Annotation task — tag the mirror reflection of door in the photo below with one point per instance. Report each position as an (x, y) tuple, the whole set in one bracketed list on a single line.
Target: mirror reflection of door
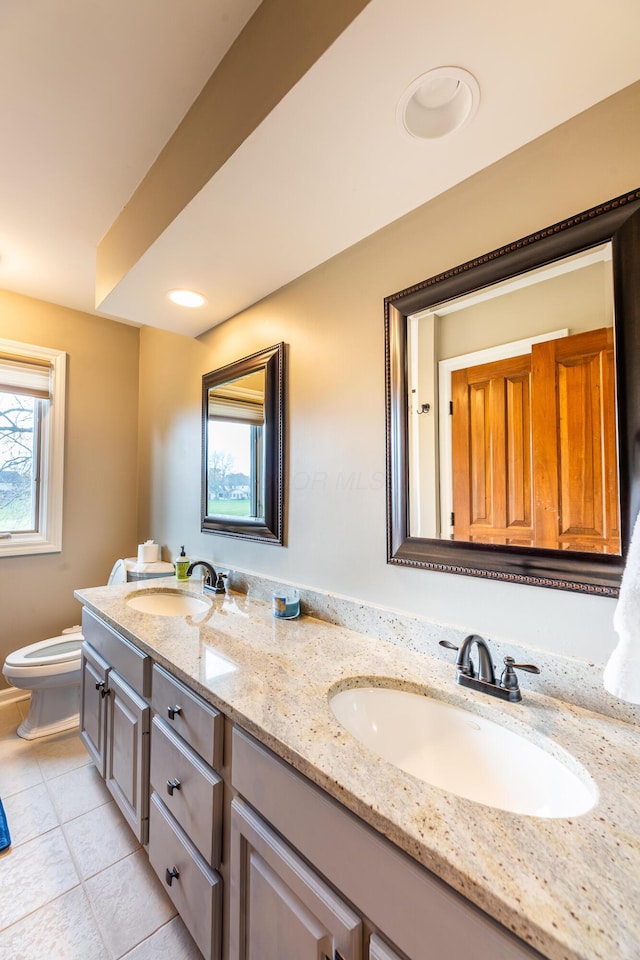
[(534, 447), (528, 457), (491, 441), (235, 448)]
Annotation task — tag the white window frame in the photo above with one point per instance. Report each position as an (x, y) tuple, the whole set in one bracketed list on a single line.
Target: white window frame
[(48, 537)]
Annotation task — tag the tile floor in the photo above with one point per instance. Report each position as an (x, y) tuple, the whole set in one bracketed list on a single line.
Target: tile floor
[(75, 883)]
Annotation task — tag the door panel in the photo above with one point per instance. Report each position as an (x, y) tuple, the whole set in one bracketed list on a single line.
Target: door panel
[(574, 437), (94, 673), (535, 448), (127, 754), (281, 909), (491, 436), (280, 925), (378, 950)]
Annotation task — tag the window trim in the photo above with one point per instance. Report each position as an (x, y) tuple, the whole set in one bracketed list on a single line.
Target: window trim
[(48, 537)]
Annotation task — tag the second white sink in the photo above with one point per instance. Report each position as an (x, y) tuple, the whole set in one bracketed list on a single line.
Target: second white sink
[(458, 751), (168, 603)]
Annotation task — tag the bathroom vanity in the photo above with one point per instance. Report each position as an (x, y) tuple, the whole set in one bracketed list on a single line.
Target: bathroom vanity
[(261, 814)]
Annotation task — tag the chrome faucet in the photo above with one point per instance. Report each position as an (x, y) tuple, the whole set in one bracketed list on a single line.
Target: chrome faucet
[(507, 688), (212, 582)]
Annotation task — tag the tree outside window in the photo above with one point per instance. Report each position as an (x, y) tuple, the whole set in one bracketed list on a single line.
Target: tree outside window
[(32, 414), (18, 462)]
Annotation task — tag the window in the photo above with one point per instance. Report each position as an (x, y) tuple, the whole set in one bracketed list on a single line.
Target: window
[(235, 469), (32, 394)]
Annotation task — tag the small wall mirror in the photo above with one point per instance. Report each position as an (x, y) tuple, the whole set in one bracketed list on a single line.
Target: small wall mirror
[(512, 408), (243, 447)]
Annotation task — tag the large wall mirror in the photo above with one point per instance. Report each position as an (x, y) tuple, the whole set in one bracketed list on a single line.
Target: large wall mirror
[(513, 408), (243, 447)]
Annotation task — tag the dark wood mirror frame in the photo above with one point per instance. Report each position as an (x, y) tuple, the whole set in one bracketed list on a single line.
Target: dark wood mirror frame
[(270, 528), (618, 221)]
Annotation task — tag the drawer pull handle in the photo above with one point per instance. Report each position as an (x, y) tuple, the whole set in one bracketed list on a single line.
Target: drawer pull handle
[(171, 875), (173, 785), (100, 687), (173, 712)]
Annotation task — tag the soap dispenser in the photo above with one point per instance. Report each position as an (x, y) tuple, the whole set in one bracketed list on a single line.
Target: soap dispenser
[(182, 565)]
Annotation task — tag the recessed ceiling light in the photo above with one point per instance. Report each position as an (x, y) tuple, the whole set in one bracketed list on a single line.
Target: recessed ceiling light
[(187, 298), (438, 102)]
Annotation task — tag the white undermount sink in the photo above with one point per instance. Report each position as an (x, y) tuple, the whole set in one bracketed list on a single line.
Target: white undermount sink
[(451, 748), (168, 603)]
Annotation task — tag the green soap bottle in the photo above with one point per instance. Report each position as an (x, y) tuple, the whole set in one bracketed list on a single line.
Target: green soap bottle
[(182, 565)]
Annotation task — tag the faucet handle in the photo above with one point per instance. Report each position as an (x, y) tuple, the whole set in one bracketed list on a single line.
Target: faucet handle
[(528, 667), (448, 645), (509, 680)]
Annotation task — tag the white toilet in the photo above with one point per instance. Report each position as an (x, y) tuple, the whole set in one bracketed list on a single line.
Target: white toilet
[(50, 669)]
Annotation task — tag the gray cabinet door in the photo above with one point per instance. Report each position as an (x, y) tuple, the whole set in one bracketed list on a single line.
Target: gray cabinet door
[(127, 753), (93, 686), (419, 914), (280, 908), (379, 950)]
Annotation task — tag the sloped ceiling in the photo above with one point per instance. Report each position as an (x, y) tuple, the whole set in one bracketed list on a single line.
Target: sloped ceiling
[(97, 91)]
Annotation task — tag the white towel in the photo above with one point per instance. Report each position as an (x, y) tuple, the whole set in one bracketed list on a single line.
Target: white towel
[(622, 672)]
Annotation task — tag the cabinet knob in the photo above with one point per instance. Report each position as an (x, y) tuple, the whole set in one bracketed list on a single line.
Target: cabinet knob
[(173, 712), (173, 785), (171, 875), (101, 688)]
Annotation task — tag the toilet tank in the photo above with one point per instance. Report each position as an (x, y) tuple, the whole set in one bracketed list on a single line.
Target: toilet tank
[(130, 569), (147, 571)]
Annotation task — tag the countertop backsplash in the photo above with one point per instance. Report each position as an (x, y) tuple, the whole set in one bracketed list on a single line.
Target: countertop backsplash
[(566, 678)]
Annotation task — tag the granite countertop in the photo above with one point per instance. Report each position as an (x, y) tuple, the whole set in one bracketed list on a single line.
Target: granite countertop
[(569, 887)]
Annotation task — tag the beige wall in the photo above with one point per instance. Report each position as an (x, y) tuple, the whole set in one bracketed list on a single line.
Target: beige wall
[(578, 301), (100, 468), (332, 319)]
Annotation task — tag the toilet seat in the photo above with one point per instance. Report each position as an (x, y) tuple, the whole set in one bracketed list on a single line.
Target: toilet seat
[(57, 657), (53, 650)]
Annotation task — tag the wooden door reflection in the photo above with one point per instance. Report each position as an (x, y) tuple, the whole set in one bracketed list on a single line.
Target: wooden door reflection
[(534, 448)]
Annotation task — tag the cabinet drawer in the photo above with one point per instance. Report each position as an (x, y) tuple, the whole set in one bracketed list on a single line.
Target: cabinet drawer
[(132, 665), (196, 722), (189, 788), (196, 891)]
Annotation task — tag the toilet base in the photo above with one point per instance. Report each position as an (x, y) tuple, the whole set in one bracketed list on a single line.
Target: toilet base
[(51, 710), (27, 732)]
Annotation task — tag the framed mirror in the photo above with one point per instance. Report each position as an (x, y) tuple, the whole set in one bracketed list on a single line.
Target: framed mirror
[(513, 408), (243, 447)]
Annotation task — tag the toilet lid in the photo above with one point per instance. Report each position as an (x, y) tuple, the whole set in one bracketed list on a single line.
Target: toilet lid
[(54, 650), (118, 573)]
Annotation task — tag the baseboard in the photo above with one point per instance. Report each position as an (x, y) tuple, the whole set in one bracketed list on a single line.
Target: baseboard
[(12, 695)]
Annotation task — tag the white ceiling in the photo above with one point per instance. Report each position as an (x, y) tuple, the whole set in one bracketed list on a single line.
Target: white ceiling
[(91, 92), (94, 90)]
